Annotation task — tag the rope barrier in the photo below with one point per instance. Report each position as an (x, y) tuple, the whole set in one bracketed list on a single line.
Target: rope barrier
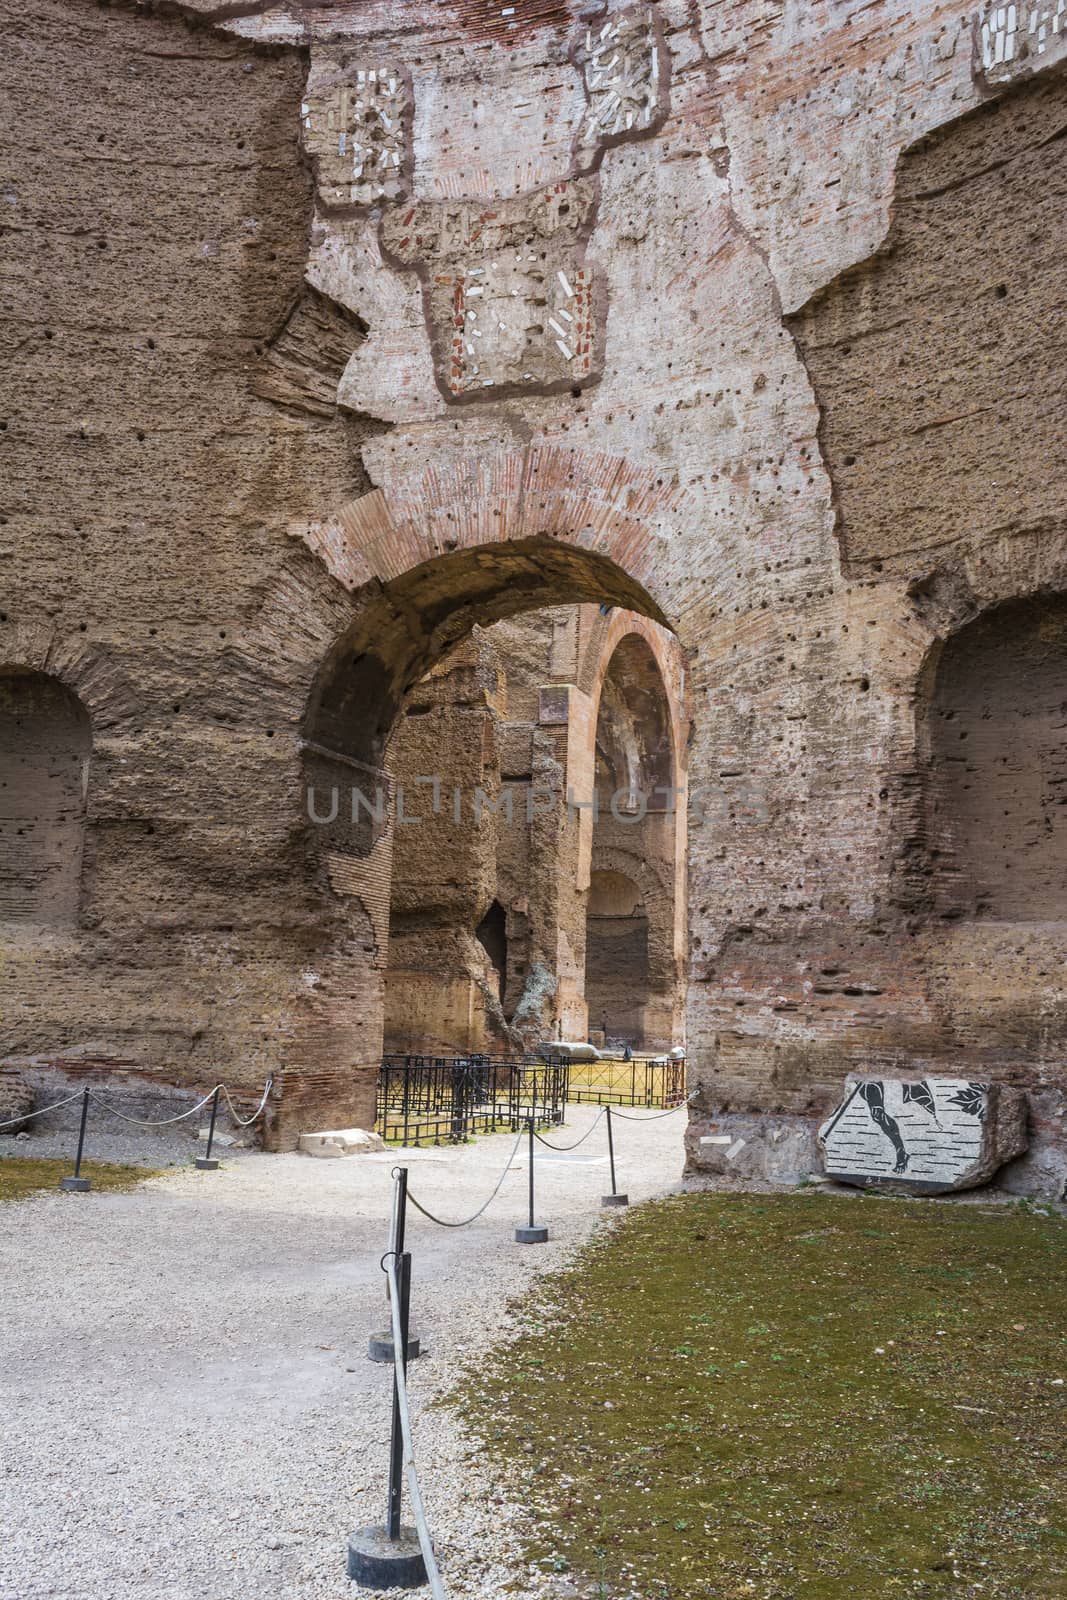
[(246, 1122), (657, 1114), (433, 1576), (466, 1222), (160, 1122), (142, 1122), (13, 1122), (577, 1142)]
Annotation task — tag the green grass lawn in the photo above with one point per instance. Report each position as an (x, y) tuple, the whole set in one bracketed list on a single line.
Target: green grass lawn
[(21, 1176), (795, 1396)]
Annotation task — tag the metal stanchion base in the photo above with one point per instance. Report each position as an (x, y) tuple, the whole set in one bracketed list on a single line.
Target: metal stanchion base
[(378, 1562), (75, 1185), (536, 1235), (380, 1347), (206, 1164), (615, 1200)]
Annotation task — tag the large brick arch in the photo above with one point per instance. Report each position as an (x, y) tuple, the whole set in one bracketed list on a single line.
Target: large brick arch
[(494, 536), (584, 500)]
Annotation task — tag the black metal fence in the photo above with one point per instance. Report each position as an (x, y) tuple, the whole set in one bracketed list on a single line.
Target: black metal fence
[(644, 1081), (446, 1099)]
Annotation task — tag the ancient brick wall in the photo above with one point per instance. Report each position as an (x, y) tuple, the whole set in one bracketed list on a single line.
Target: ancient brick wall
[(740, 316), (156, 217)]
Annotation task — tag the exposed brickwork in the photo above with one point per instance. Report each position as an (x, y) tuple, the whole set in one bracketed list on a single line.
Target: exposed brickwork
[(226, 568), (508, 750)]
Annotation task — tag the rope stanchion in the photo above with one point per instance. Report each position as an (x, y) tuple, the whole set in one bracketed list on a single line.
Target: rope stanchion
[(380, 1345), (77, 1184), (207, 1162), (532, 1232), (443, 1222), (614, 1198), (563, 1147), (393, 1556)]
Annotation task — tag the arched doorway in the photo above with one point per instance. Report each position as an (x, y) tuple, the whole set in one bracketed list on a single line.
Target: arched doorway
[(635, 921), (398, 631), (617, 985)]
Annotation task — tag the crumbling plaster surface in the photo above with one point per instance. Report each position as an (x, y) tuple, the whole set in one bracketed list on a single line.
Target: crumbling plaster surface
[(217, 571)]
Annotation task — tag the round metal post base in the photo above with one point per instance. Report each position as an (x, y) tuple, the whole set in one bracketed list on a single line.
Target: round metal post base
[(528, 1235), (206, 1164), (615, 1200), (378, 1562), (380, 1347), (75, 1185)]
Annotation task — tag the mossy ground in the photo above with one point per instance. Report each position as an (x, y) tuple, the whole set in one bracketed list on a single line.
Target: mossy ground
[(797, 1395), (21, 1176)]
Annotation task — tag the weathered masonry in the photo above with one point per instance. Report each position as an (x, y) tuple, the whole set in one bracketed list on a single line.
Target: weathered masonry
[(336, 332), (538, 867)]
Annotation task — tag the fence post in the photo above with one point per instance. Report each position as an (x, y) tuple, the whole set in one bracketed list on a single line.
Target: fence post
[(532, 1233), (614, 1198), (207, 1162), (77, 1184), (396, 1443), (380, 1345), (390, 1557)]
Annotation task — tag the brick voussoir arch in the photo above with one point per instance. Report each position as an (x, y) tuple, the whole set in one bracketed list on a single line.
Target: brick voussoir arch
[(587, 500), (669, 658), (85, 668)]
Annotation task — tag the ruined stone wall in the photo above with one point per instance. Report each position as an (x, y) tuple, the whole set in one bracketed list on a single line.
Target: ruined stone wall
[(509, 745), (438, 986), (692, 310), (156, 216)]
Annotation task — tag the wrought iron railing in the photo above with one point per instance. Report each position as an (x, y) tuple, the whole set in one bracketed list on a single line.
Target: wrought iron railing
[(643, 1081), (446, 1099)]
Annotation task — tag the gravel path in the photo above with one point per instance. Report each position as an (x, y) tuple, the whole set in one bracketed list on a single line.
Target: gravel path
[(188, 1410)]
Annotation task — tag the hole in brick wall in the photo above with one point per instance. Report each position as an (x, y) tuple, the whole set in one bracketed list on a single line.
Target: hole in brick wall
[(366, 716), (492, 935), (45, 740), (997, 835)]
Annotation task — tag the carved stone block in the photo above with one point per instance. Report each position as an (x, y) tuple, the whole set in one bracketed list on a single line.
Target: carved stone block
[(922, 1135)]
